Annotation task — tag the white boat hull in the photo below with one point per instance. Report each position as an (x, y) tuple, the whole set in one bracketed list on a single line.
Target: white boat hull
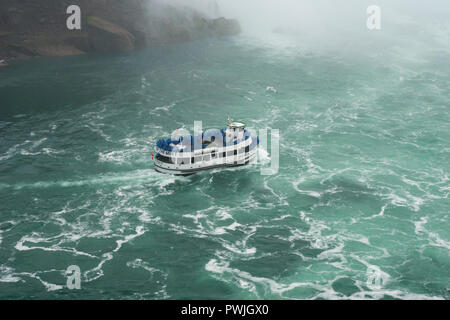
[(186, 170), (221, 148)]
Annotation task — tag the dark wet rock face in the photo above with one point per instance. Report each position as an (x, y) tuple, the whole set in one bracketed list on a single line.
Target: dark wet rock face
[(106, 36), (38, 28)]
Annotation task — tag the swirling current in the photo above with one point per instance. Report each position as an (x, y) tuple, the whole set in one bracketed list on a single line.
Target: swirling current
[(359, 208)]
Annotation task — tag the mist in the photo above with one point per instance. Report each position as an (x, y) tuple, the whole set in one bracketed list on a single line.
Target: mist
[(332, 23), (322, 14), (264, 15)]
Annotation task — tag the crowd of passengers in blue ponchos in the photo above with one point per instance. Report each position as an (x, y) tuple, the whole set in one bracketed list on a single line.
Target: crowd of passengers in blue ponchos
[(170, 145)]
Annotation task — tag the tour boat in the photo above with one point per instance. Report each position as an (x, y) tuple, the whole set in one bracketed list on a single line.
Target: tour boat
[(230, 147)]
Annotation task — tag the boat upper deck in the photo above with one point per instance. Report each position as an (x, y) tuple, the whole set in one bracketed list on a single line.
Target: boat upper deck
[(214, 138)]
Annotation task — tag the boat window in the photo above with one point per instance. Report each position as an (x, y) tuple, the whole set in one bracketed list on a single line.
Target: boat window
[(164, 159), (198, 159), (224, 154), (213, 154), (247, 148), (235, 152), (183, 161), (192, 160), (230, 153)]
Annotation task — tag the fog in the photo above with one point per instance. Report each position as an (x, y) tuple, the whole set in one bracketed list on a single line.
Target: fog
[(330, 21), (320, 14)]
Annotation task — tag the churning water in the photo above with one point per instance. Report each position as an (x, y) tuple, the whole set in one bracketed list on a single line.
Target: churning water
[(358, 209)]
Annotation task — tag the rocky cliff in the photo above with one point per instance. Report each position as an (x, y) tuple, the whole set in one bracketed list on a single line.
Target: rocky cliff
[(38, 28)]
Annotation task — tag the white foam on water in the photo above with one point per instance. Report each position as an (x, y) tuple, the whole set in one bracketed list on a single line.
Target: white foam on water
[(7, 274), (97, 271), (96, 127), (244, 279), (196, 217), (223, 230), (119, 156), (183, 230), (144, 83), (12, 151), (280, 197), (37, 143), (333, 254), (379, 214), (134, 177), (314, 234), (282, 217), (223, 214), (95, 114), (49, 286), (398, 294), (376, 278), (165, 108), (146, 217), (239, 249), (232, 227), (50, 151), (207, 222), (437, 241), (35, 238), (411, 182), (355, 237), (263, 156), (311, 193), (434, 239), (410, 201), (28, 153), (75, 230), (139, 263), (418, 225), (139, 231)]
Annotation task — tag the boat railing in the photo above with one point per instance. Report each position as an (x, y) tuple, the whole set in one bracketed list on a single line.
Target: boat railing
[(176, 151)]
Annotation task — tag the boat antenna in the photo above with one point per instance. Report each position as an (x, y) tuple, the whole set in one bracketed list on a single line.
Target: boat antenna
[(229, 120)]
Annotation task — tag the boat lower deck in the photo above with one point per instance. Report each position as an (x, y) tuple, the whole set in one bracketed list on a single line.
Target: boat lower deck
[(191, 172), (187, 172)]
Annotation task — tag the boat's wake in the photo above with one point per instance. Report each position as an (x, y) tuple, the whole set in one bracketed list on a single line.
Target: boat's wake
[(135, 177)]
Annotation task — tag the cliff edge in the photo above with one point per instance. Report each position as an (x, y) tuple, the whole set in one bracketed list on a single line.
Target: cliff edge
[(38, 28)]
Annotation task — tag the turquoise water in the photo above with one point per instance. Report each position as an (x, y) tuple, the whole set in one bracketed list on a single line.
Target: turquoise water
[(358, 209)]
